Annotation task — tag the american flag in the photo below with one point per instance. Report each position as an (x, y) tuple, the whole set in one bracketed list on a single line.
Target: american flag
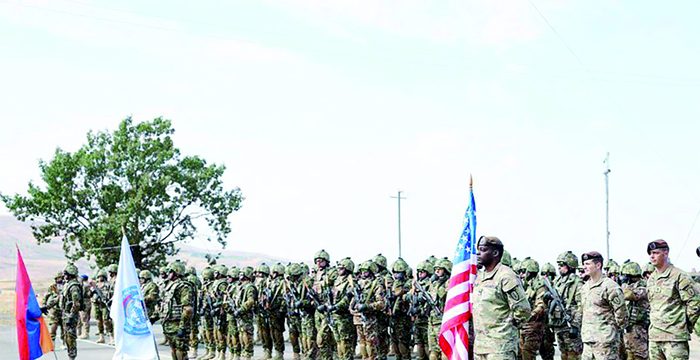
[(454, 336)]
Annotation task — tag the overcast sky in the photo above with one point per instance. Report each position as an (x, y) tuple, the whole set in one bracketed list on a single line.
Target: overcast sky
[(322, 110)]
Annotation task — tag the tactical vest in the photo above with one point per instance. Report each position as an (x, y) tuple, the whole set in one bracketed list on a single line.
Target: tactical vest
[(172, 308)]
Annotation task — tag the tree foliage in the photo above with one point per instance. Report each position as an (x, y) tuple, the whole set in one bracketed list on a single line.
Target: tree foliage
[(133, 178)]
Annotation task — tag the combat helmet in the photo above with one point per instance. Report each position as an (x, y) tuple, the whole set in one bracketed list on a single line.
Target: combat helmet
[(400, 266), (348, 264), (611, 265), (101, 273), (263, 269), (112, 269), (530, 265), (220, 269), (516, 265), (233, 272), (548, 269), (631, 269), (443, 263), (192, 271), (59, 275), (207, 273), (246, 272), (322, 254), (294, 269), (278, 268), (370, 266), (162, 270), (380, 261), (425, 266), (177, 267), (71, 269), (569, 259), (431, 259), (146, 275), (506, 259), (649, 268)]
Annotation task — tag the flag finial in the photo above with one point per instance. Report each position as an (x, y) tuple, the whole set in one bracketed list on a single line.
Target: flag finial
[(471, 181)]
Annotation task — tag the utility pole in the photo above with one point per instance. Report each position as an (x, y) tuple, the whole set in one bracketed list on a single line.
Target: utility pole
[(398, 198), (607, 203)]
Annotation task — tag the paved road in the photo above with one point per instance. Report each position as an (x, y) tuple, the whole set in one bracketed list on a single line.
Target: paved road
[(88, 349)]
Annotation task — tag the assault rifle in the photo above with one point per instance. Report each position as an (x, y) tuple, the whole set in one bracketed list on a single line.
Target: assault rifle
[(556, 304), (359, 299), (313, 295), (290, 297), (100, 296), (424, 294)]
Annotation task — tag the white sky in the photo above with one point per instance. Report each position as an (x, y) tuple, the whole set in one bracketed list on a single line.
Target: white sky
[(323, 110)]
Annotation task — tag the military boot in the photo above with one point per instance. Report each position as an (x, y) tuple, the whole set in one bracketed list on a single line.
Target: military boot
[(206, 354), (278, 356), (296, 356), (83, 336), (192, 354), (100, 339)]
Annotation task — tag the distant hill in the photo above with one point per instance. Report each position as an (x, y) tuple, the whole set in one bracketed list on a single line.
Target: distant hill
[(45, 260)]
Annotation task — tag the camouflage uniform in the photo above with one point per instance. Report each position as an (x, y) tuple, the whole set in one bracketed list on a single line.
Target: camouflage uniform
[(100, 302), (547, 347), (309, 348), (636, 336), (384, 318), (263, 314), (231, 307), (218, 293), (84, 324), (51, 306), (343, 330), (194, 334), (674, 301), (499, 301), (421, 312), (323, 280), (568, 286), (438, 293), (291, 296), (277, 309), (371, 305), (246, 302), (400, 325), (603, 315), (151, 295), (205, 309), (177, 313), (69, 303), (532, 330)]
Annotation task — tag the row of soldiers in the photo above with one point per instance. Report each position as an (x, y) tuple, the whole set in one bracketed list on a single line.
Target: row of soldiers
[(624, 313), (373, 308)]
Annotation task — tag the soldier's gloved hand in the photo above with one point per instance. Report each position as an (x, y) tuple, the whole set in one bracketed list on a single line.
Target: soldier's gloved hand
[(44, 310), (180, 333), (573, 333), (547, 297), (362, 307), (321, 308), (332, 308)]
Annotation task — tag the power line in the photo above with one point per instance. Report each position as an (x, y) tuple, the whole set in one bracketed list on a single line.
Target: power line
[(554, 30)]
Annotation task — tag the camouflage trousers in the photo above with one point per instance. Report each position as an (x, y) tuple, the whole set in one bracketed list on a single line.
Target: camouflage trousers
[(344, 333), (54, 324), (277, 320), (569, 348), (531, 336), (294, 328), (434, 351), (669, 350), (104, 322), (372, 332), (636, 340), (245, 334), (194, 334), (84, 323), (324, 337), (309, 350), (264, 332), (69, 329), (384, 339), (547, 347), (208, 333), (177, 344), (400, 331), (232, 336), (361, 341), (420, 338), (220, 333), (601, 351)]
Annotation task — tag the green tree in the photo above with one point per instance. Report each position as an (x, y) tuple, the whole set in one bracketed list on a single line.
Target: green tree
[(133, 178)]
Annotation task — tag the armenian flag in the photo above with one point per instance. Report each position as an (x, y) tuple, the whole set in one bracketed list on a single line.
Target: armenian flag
[(33, 338)]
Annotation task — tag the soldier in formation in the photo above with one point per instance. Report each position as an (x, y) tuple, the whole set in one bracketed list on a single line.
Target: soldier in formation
[(371, 311)]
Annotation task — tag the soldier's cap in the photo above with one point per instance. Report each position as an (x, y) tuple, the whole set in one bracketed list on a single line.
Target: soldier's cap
[(490, 241), (657, 244), (592, 255), (84, 276)]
